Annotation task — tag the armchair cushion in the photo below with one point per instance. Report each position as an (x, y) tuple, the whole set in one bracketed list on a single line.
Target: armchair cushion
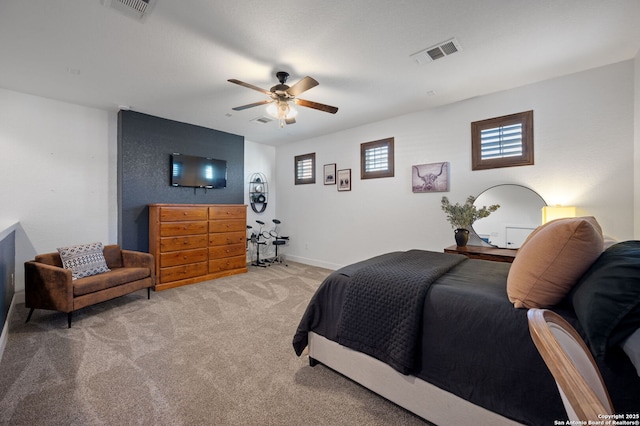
[(84, 260)]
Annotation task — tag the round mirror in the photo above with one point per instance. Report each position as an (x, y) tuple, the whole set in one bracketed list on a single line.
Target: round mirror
[(519, 214)]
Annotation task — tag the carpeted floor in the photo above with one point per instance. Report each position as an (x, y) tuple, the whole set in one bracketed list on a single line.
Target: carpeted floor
[(213, 353)]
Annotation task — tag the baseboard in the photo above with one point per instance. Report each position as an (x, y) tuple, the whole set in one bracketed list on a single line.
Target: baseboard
[(16, 299), (313, 262)]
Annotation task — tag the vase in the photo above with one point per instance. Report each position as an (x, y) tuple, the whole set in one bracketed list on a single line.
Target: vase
[(462, 236)]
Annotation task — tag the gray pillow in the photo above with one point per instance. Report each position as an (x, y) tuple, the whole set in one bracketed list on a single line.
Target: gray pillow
[(607, 297)]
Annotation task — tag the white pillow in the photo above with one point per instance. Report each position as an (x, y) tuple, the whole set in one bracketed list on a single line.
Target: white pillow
[(84, 260)]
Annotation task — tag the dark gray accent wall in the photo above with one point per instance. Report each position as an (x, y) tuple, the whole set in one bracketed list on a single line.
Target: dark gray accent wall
[(7, 272), (145, 144)]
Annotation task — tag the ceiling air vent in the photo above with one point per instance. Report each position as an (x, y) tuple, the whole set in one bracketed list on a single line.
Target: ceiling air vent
[(262, 120), (438, 51), (135, 8)]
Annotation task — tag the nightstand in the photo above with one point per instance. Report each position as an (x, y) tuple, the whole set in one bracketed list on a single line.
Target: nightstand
[(484, 253)]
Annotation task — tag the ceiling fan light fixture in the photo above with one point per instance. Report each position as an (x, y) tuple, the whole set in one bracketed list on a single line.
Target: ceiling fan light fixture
[(282, 111)]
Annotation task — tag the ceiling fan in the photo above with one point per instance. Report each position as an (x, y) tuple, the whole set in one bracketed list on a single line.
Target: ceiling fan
[(281, 95)]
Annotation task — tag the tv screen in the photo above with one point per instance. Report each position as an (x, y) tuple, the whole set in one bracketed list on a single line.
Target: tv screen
[(198, 172)]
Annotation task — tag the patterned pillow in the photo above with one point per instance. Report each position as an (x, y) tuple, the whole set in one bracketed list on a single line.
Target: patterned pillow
[(84, 260)]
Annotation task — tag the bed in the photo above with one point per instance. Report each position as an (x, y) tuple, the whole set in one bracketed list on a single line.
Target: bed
[(447, 337)]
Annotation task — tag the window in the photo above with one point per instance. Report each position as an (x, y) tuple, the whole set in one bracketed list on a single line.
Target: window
[(376, 159), (502, 141), (305, 169)]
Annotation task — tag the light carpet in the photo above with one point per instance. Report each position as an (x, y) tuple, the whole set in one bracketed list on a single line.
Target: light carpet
[(212, 353)]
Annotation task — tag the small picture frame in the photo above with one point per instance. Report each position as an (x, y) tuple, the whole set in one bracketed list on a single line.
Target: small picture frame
[(344, 180), (433, 177), (330, 174)]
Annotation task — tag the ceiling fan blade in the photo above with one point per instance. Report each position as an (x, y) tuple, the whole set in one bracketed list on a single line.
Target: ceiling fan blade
[(255, 104), (250, 86), (302, 86), (316, 105)]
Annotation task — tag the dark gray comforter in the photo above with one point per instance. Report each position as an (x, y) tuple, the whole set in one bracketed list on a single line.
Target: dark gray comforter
[(384, 302)]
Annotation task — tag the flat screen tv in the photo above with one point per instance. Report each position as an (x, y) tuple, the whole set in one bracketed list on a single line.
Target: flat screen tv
[(198, 172)]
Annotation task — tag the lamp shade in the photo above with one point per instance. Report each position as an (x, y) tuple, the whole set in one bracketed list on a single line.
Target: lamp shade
[(281, 110), (550, 213)]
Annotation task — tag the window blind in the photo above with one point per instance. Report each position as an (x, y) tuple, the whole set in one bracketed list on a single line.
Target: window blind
[(376, 159), (304, 169), (500, 142)]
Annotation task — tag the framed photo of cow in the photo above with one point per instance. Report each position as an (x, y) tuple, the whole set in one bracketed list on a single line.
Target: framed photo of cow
[(433, 177)]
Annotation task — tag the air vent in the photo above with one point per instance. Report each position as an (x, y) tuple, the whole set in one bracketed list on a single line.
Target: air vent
[(135, 8), (438, 51), (262, 120)]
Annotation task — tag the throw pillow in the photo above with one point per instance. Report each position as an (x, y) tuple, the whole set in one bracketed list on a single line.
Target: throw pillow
[(607, 297), (551, 261), (84, 260)]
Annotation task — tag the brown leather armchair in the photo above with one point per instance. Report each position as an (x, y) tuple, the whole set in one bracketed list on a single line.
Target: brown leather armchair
[(49, 286)]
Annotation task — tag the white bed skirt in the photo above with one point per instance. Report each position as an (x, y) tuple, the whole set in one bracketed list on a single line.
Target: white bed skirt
[(421, 398)]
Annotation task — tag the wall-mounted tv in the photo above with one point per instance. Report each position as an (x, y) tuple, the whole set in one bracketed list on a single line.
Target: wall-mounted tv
[(198, 172)]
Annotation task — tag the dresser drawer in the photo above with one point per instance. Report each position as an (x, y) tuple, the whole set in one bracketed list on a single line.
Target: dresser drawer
[(227, 251), (183, 257), (227, 212), (183, 243), (227, 264), (171, 214), (175, 273), (227, 225), (169, 229), (224, 238)]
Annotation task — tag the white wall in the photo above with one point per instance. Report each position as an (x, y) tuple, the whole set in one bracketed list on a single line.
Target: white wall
[(58, 174), (260, 158), (584, 156)]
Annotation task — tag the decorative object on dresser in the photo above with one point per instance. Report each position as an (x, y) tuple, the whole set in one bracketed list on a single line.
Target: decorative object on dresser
[(83, 275), (484, 253), (550, 213), (518, 216), (197, 242), (461, 217)]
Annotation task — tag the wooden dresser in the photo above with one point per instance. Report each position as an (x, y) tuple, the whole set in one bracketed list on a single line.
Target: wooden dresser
[(484, 253), (197, 242)]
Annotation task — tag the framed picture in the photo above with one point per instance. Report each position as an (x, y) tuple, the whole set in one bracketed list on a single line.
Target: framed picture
[(330, 174), (344, 180), (433, 177)]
